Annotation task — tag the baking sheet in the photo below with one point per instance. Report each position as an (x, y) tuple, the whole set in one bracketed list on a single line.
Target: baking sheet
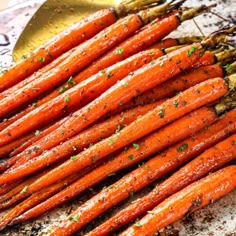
[(218, 219)]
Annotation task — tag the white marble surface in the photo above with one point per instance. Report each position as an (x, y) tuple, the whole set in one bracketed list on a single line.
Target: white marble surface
[(218, 219)]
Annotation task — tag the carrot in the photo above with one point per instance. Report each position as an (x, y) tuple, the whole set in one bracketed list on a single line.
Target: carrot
[(5, 150), (85, 138), (165, 43), (225, 126), (18, 192), (120, 93), (148, 146), (76, 34), (9, 186), (155, 119), (179, 83), (123, 91), (83, 93), (158, 166), (167, 89), (39, 196), (186, 201), (145, 38), (124, 50), (34, 200), (4, 165), (80, 58), (44, 131), (37, 75), (17, 189)]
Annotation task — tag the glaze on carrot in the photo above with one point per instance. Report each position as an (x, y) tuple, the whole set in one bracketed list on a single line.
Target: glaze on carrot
[(165, 90), (69, 38), (126, 49), (188, 101), (186, 201), (225, 126), (178, 84), (156, 167), (147, 147), (82, 93), (7, 149), (84, 139), (155, 73)]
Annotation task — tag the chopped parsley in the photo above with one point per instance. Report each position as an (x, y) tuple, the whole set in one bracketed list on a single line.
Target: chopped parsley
[(74, 158), (119, 127), (94, 159), (67, 99), (131, 157), (74, 218), (125, 85), (161, 113), (111, 141), (182, 147), (71, 81), (109, 75), (119, 51), (191, 50), (25, 189), (24, 56), (137, 224), (228, 68), (176, 104), (41, 59), (62, 89), (136, 146)]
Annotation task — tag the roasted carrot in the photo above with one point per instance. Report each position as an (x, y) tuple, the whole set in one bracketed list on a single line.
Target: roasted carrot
[(82, 56), (21, 188), (7, 149), (167, 89), (186, 201), (37, 74), (171, 87), (124, 50), (180, 83), (147, 36), (155, 119), (83, 93), (158, 166), (7, 187), (148, 146), (39, 196), (34, 200), (86, 138), (165, 43), (225, 126), (76, 34), (44, 131), (17, 189), (155, 73)]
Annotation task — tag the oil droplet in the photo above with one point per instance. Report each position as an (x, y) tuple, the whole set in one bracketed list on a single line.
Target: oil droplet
[(4, 40)]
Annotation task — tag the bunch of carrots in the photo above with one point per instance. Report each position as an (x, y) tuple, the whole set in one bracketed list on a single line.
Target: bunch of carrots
[(112, 92)]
